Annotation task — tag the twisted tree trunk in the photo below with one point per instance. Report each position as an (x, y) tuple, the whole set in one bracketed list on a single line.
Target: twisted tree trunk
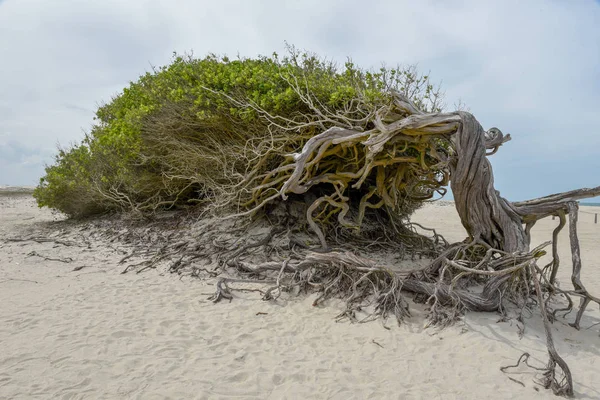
[(484, 214)]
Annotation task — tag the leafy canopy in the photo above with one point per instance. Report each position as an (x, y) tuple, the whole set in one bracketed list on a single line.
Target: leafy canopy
[(201, 130)]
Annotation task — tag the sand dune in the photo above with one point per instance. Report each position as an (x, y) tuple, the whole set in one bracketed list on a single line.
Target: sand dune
[(96, 334)]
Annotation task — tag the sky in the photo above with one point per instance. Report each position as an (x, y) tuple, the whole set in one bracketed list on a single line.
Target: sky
[(530, 68)]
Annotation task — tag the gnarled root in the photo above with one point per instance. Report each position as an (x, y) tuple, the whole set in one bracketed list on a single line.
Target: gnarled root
[(365, 285)]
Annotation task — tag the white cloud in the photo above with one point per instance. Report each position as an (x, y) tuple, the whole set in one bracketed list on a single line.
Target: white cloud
[(530, 68)]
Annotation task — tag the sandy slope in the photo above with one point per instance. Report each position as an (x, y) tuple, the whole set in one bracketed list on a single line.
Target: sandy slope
[(94, 333)]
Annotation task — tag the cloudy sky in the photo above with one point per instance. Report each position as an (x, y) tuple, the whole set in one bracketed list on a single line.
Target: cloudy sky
[(531, 68)]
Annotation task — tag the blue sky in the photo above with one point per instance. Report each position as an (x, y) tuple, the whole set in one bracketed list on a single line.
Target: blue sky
[(530, 68)]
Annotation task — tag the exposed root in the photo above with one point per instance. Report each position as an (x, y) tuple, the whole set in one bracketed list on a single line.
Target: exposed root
[(560, 386), (36, 254), (43, 240), (224, 291), (372, 291), (367, 289), (375, 290)]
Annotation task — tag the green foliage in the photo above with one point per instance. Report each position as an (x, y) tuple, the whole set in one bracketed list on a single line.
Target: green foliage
[(67, 185), (187, 132)]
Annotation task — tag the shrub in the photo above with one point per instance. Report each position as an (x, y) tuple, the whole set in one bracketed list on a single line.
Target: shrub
[(209, 131)]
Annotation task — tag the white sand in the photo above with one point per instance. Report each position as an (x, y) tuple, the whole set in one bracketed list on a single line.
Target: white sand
[(96, 334)]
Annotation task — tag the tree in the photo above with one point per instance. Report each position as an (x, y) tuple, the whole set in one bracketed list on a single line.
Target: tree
[(346, 156)]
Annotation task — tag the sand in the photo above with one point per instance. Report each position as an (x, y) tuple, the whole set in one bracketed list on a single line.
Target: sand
[(97, 334)]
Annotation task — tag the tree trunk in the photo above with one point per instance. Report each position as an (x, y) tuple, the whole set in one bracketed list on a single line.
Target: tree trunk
[(484, 214)]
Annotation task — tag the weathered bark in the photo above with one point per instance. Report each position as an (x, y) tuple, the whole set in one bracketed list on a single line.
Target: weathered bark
[(484, 214), (488, 300), (551, 205)]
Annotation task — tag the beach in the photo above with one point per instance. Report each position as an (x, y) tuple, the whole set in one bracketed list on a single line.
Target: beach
[(73, 327)]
